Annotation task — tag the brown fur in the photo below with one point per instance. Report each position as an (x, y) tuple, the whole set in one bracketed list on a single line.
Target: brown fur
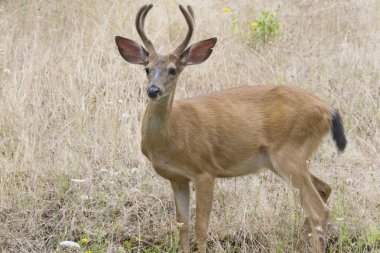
[(215, 132)]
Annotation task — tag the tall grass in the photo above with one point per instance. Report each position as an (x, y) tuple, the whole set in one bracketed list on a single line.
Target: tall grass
[(71, 108)]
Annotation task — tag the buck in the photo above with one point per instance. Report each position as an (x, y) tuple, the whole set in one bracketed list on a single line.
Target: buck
[(230, 133)]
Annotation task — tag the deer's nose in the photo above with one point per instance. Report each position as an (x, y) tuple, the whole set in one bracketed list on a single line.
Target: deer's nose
[(153, 91)]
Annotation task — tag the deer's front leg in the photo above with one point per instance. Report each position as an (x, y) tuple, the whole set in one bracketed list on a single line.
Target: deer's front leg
[(204, 186), (182, 200)]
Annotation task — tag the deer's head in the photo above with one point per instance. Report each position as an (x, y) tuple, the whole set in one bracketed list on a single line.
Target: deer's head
[(163, 70)]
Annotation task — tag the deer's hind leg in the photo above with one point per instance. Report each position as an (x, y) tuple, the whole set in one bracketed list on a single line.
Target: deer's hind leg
[(323, 188), (324, 191), (291, 166)]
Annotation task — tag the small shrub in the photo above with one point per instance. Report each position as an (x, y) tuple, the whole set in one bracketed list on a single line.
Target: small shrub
[(267, 27)]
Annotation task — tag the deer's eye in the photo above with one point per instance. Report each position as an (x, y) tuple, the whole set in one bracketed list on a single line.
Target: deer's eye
[(147, 70), (172, 71)]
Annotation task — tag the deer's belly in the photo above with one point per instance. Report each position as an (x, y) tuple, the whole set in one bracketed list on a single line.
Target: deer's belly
[(250, 165), (172, 171)]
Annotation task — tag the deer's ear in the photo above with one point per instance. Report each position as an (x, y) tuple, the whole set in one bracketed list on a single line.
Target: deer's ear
[(131, 51), (198, 52)]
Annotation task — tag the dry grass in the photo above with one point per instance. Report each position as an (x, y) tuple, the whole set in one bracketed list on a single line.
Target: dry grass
[(71, 108)]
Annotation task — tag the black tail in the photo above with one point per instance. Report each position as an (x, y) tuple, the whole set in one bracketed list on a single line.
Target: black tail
[(338, 131)]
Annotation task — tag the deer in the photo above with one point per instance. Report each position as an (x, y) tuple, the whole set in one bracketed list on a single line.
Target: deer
[(230, 133)]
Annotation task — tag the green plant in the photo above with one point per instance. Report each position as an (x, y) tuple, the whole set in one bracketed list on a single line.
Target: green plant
[(369, 241), (267, 27), (128, 245)]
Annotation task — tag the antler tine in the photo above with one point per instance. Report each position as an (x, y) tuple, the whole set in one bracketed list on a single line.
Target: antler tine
[(191, 12), (189, 16), (140, 26)]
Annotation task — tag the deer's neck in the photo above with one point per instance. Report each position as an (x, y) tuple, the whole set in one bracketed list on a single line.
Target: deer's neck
[(154, 127)]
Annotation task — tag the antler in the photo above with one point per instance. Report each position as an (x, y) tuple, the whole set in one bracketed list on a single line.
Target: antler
[(189, 16), (140, 25)]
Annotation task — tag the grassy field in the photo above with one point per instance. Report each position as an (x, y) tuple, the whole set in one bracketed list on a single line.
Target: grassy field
[(71, 110)]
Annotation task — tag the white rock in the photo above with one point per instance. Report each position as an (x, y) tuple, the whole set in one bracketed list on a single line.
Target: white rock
[(69, 244), (78, 180)]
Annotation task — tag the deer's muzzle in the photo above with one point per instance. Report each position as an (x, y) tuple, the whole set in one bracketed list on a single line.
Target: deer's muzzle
[(153, 91)]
